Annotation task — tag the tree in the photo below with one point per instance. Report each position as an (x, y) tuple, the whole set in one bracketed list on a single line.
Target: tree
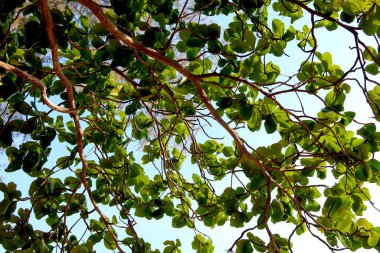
[(133, 96)]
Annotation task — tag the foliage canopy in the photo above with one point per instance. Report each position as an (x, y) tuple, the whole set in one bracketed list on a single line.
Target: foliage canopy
[(123, 104)]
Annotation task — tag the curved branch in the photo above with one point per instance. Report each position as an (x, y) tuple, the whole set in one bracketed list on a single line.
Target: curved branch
[(133, 44), (36, 82), (54, 52), (70, 97)]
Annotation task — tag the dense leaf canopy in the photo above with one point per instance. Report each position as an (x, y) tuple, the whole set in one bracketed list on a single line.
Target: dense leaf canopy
[(202, 113)]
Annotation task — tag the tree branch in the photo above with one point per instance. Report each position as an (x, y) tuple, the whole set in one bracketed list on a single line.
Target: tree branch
[(70, 97), (36, 82), (133, 44)]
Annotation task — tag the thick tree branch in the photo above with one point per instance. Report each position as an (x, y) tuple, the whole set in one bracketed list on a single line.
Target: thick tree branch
[(54, 52), (70, 97), (112, 28), (37, 83)]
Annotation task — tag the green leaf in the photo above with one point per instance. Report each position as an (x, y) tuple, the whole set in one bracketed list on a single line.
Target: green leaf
[(270, 125), (109, 242), (113, 45), (326, 60), (368, 52), (181, 46), (72, 182), (278, 27), (367, 131), (99, 29), (363, 223), (84, 21), (244, 246), (336, 99), (179, 221), (9, 244), (344, 225), (250, 38), (277, 48), (374, 96), (254, 123), (79, 249), (32, 58), (202, 245), (24, 108), (246, 112), (373, 238), (363, 172), (138, 5), (372, 68), (257, 243), (214, 31), (195, 42), (228, 151), (375, 165), (368, 25), (240, 46)]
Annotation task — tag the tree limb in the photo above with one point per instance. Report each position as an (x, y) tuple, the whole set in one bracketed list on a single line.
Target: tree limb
[(70, 97), (36, 82)]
